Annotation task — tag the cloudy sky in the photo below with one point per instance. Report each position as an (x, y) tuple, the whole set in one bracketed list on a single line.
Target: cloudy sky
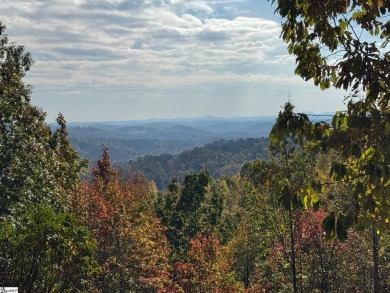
[(125, 60)]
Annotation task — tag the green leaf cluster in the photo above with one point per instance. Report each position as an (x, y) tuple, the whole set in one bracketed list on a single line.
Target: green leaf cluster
[(43, 249), (340, 43), (188, 209)]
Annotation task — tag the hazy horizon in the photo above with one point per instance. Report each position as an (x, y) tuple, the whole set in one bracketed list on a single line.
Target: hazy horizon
[(102, 60), (208, 117)]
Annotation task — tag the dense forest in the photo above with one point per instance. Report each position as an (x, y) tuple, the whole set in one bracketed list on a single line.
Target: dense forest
[(129, 140), (313, 216), (220, 158)]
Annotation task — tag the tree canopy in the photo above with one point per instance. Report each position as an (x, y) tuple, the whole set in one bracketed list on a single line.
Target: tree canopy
[(42, 246), (344, 44), (36, 165), (272, 227), (341, 43)]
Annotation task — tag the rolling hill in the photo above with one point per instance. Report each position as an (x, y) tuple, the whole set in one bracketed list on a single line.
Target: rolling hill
[(128, 140)]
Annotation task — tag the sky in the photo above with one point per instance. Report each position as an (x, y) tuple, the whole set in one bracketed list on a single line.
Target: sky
[(113, 60)]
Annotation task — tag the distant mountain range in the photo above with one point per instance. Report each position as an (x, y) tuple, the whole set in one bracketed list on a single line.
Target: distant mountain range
[(128, 140)]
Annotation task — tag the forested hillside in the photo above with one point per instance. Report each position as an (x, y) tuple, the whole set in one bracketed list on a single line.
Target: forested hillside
[(220, 158), (129, 140), (313, 216)]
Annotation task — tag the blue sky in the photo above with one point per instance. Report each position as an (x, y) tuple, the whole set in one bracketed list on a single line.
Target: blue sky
[(124, 60)]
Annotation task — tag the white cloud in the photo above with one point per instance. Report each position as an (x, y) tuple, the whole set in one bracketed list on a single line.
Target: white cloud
[(94, 45), (281, 60)]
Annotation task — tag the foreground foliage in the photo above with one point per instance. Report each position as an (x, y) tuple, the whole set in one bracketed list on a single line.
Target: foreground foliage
[(344, 44), (42, 246), (315, 217), (131, 246)]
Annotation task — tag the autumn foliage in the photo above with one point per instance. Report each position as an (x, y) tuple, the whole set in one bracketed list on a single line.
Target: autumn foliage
[(208, 268), (272, 228), (131, 246)]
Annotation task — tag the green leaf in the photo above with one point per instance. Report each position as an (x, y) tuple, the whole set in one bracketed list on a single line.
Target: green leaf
[(343, 26), (356, 15), (368, 153)]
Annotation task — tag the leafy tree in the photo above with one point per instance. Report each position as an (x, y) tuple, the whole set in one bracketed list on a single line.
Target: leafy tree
[(35, 165), (342, 44), (193, 208), (360, 163), (208, 268), (226, 192), (323, 265), (262, 246), (291, 174), (184, 211), (42, 247), (355, 38), (252, 237), (132, 249), (24, 160), (345, 44), (46, 252)]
